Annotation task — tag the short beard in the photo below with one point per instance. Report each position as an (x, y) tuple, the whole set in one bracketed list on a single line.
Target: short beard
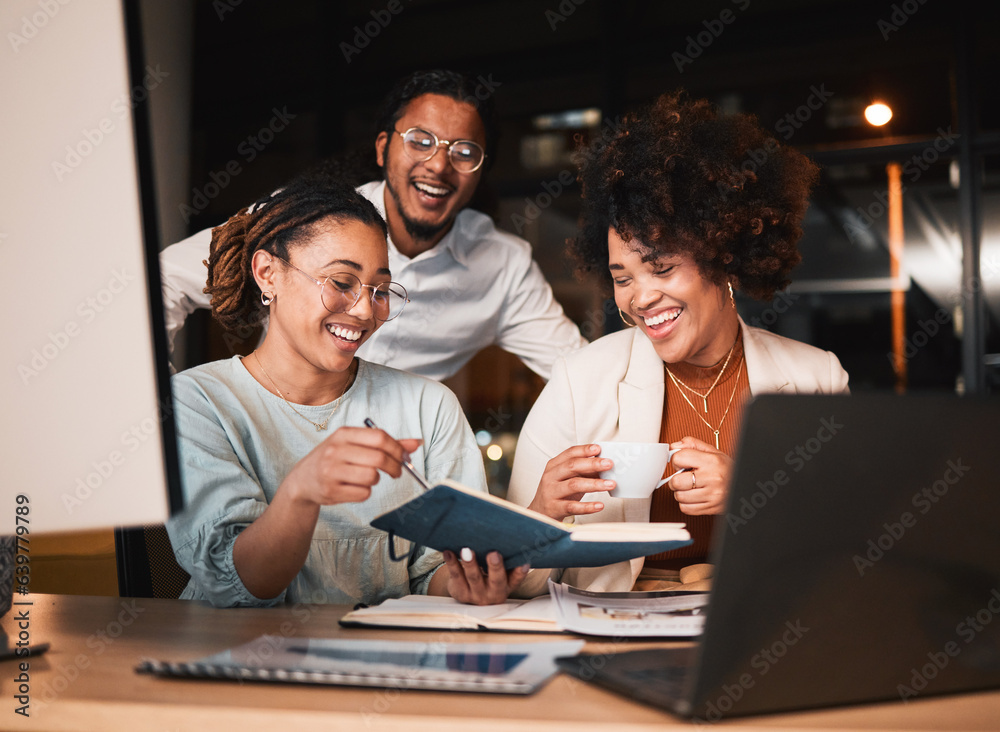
[(417, 230)]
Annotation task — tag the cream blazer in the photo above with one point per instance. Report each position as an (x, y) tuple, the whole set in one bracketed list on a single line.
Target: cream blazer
[(612, 389)]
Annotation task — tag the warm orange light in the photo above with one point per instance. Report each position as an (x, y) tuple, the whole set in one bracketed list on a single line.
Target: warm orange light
[(878, 114)]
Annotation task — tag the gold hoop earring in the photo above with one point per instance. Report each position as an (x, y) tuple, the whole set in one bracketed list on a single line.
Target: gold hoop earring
[(625, 319), (266, 298)]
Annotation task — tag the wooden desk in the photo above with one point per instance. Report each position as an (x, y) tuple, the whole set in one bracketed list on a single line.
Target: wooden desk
[(86, 682)]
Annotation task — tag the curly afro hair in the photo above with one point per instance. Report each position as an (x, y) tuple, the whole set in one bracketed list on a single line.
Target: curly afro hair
[(680, 177)]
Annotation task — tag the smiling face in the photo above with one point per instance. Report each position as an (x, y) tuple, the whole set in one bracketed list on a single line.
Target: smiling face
[(426, 196), (302, 334), (687, 317)]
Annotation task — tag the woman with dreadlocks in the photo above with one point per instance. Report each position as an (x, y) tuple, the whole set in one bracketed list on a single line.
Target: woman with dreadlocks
[(280, 477)]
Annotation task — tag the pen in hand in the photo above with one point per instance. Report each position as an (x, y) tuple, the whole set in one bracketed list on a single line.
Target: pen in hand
[(406, 463)]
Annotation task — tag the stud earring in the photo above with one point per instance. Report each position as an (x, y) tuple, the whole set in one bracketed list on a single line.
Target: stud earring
[(266, 298)]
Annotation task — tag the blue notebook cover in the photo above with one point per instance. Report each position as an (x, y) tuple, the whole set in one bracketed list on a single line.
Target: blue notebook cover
[(451, 516)]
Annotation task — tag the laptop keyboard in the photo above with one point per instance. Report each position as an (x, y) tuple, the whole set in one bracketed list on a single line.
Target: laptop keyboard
[(669, 680), (659, 677)]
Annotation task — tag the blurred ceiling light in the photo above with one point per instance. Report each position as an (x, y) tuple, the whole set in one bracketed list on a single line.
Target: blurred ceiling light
[(483, 438), (570, 119), (878, 114), (494, 452)]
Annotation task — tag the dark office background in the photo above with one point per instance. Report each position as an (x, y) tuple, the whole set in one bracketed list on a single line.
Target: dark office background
[(561, 70)]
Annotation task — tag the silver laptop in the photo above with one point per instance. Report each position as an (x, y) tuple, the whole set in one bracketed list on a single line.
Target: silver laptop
[(858, 561)]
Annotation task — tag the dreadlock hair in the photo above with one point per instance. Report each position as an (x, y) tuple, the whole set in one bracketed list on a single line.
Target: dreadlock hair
[(679, 177), (459, 87), (273, 224)]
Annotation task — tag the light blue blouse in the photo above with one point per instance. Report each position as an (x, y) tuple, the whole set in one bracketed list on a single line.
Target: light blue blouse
[(237, 441)]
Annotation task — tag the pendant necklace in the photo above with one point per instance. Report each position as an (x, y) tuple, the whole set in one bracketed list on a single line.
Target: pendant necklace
[(704, 397), (320, 426), (732, 396)]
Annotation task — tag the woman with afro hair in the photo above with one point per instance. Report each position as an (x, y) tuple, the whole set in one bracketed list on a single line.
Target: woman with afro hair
[(682, 206)]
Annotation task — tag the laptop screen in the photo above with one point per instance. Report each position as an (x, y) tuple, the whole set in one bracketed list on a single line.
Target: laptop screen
[(859, 558), (858, 561)]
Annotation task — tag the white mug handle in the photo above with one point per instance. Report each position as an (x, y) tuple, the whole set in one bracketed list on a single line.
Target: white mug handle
[(668, 479)]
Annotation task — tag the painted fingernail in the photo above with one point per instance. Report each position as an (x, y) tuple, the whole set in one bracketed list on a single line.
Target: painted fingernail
[(466, 554), (493, 558)]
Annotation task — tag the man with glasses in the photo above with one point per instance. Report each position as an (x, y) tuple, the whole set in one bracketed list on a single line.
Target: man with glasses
[(470, 285)]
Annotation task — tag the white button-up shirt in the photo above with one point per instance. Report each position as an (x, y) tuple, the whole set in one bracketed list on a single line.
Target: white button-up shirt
[(476, 287)]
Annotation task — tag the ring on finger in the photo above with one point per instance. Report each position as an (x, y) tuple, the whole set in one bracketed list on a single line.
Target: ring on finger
[(694, 481), (671, 478)]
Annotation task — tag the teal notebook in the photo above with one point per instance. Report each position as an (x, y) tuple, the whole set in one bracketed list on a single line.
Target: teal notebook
[(451, 516)]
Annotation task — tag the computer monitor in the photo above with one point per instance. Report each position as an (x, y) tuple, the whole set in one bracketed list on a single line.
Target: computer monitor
[(87, 433)]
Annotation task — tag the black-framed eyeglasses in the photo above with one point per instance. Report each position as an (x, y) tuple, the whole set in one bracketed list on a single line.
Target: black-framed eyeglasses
[(340, 292), (466, 156)]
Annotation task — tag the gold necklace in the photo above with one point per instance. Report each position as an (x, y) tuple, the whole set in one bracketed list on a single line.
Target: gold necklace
[(704, 397), (726, 414), (320, 426)]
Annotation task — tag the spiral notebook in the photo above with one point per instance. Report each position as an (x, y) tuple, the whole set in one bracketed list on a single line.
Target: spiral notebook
[(497, 668)]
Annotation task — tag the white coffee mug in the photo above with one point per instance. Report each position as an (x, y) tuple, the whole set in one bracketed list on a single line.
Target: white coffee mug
[(637, 467)]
